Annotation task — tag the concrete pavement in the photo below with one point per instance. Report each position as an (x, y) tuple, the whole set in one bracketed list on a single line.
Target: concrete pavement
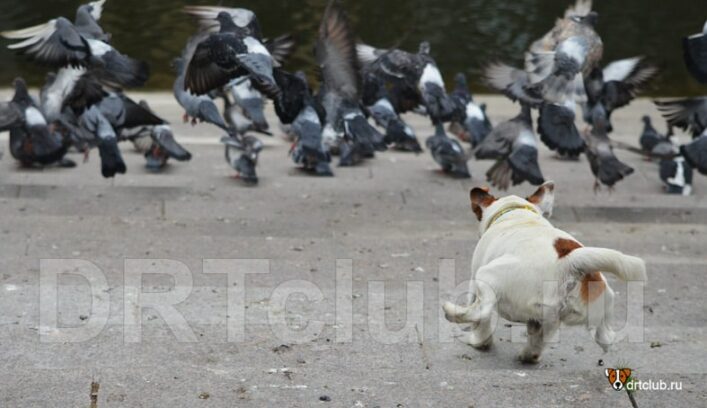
[(394, 217)]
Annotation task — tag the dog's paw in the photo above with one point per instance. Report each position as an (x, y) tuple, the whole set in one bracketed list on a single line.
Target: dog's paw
[(529, 357), (452, 312), (481, 343)]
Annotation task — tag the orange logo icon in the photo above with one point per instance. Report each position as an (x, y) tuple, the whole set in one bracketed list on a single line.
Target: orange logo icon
[(618, 377)]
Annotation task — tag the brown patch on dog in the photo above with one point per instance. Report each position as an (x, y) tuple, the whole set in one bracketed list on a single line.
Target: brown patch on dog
[(564, 247), (480, 199), (593, 286)]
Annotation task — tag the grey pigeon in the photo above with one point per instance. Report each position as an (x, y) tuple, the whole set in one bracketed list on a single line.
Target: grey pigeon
[(197, 108), (31, 139), (250, 102), (448, 153), (124, 113), (471, 122), (676, 175), (60, 44), (514, 146), (616, 85), (209, 18), (695, 153), (695, 53), (383, 113), (242, 155), (413, 78), (653, 142), (555, 68), (555, 122), (95, 129), (606, 167), (230, 53), (300, 111), (686, 114), (164, 146), (346, 126)]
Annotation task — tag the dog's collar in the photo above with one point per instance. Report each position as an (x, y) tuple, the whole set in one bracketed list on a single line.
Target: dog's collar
[(509, 209)]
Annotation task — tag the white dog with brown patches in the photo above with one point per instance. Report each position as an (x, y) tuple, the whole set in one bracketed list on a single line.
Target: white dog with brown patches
[(530, 272)]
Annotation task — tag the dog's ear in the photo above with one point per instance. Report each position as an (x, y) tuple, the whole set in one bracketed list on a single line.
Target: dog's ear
[(480, 199), (607, 372), (544, 198)]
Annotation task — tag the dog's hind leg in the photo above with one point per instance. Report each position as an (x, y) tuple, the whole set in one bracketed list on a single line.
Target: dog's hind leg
[(537, 332)]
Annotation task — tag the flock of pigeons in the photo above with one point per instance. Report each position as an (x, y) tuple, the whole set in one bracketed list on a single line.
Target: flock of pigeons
[(83, 103)]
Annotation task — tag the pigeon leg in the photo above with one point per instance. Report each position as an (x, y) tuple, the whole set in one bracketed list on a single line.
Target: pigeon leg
[(194, 121), (597, 187), (86, 153), (185, 118)]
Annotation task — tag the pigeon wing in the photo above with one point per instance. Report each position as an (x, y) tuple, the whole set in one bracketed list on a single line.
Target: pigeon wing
[(56, 43), (10, 116), (686, 114), (336, 54), (281, 47)]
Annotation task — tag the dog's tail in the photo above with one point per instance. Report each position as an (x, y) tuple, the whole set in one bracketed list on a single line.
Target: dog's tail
[(586, 260)]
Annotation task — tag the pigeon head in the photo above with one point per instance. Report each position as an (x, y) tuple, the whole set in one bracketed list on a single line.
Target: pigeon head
[(646, 120), (424, 48), (301, 75), (178, 64), (225, 21), (21, 93), (460, 80), (591, 19), (483, 107)]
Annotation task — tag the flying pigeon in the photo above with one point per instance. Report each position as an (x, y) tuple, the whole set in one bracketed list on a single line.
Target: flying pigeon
[(298, 109), (687, 114), (59, 44), (558, 62), (414, 79), (616, 85), (555, 67), (250, 102), (243, 20), (242, 155), (695, 153), (514, 147), (695, 53), (555, 122), (448, 153), (31, 139), (232, 52), (124, 113), (606, 167), (156, 142), (199, 108), (164, 147), (471, 122), (93, 128), (384, 115), (346, 127)]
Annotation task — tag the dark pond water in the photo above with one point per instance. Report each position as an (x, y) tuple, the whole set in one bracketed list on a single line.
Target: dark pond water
[(465, 34)]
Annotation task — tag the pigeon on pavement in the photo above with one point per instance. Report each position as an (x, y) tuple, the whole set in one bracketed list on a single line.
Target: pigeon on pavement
[(32, 141), (448, 153)]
